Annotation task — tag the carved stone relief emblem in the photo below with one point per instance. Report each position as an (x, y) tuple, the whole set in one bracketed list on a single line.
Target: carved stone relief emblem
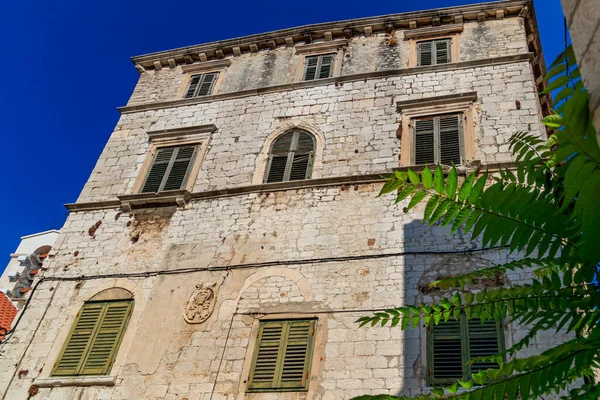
[(200, 304)]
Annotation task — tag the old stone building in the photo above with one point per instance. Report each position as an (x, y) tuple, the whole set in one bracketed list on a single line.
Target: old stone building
[(230, 235)]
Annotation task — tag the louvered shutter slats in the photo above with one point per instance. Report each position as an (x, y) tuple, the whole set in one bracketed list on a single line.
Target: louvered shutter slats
[(442, 51), (433, 52), (105, 343), (193, 85), (180, 167), (291, 158), (311, 68), (76, 346), (437, 140), (425, 53), (201, 85), (170, 169), (424, 141), (94, 340), (283, 354), (326, 66), (483, 341), (157, 171), (318, 67), (453, 344), (447, 351), (450, 140)]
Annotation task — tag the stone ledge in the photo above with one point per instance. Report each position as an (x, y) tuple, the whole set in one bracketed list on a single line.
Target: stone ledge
[(176, 132), (149, 199), (177, 198), (435, 101), (323, 46), (486, 62), (76, 381), (432, 31), (206, 65)]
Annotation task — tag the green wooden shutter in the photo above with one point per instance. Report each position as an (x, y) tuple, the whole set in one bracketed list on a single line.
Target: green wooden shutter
[(484, 340), (155, 176), (446, 358), (76, 346), (326, 66), (451, 344), (450, 139), (170, 168), (180, 167), (282, 356), (442, 51), (194, 80), (94, 339), (304, 146), (208, 81), (423, 141), (310, 68), (425, 53)]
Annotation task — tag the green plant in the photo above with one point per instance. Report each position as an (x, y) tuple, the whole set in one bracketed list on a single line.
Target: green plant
[(548, 210)]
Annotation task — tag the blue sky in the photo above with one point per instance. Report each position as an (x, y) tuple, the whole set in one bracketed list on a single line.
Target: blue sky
[(65, 68)]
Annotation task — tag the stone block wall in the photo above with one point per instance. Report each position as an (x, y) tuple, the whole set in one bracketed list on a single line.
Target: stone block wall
[(363, 54), (334, 254), (359, 123)]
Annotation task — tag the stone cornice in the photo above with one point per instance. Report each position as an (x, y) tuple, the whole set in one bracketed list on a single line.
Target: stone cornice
[(322, 46), (322, 82), (178, 132), (436, 100), (433, 31), (328, 31), (144, 200)]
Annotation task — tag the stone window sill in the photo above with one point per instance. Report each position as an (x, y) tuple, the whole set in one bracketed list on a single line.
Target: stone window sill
[(177, 198), (58, 381)]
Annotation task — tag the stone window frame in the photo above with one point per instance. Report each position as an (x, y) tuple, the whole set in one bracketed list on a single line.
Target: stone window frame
[(114, 290), (411, 109), (207, 67), (262, 160), (336, 47), (413, 40), (198, 135), (318, 352)]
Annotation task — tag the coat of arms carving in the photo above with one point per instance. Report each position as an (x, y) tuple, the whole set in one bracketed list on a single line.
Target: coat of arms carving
[(200, 304)]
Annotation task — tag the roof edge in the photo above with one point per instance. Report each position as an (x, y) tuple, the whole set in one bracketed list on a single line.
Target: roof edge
[(271, 39)]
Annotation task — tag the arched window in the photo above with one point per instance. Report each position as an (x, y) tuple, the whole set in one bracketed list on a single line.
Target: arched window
[(92, 344), (291, 157)]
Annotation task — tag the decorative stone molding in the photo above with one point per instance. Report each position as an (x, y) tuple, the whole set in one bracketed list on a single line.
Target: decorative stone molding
[(206, 66), (180, 132), (201, 304), (339, 29), (324, 47), (402, 106), (76, 381), (433, 31), (168, 198)]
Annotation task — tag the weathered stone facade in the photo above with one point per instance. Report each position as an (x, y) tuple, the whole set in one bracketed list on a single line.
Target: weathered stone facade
[(326, 248)]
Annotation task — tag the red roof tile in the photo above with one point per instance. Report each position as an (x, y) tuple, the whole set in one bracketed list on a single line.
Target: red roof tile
[(7, 314)]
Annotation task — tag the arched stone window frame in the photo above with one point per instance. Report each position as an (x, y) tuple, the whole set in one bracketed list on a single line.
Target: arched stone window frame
[(120, 289), (262, 160)]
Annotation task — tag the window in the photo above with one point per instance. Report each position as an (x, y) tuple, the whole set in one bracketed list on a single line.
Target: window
[(92, 344), (318, 67), (433, 52), (282, 357), (453, 343), (201, 85), (437, 140), (170, 168), (291, 157)]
